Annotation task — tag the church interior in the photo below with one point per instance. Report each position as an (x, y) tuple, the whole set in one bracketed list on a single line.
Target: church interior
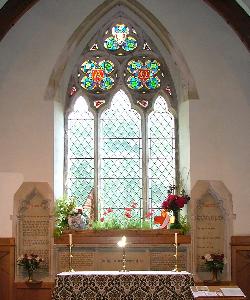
[(139, 111)]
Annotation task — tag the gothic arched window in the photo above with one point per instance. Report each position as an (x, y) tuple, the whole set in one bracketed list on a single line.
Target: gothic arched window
[(120, 133)]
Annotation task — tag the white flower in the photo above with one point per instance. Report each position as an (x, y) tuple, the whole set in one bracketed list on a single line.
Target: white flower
[(208, 257)]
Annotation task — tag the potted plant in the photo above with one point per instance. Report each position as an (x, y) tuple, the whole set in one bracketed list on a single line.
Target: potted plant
[(64, 206)]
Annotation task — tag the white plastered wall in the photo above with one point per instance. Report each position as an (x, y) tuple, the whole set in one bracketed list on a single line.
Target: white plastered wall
[(219, 120)]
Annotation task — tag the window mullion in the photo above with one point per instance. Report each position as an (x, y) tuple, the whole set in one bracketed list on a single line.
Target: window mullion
[(96, 164), (145, 203)]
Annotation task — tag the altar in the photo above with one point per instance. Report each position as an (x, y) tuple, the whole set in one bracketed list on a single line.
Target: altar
[(115, 285)]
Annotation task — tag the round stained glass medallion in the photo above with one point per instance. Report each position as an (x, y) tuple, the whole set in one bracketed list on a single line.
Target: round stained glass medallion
[(88, 83), (88, 65), (129, 44), (153, 83), (106, 83), (134, 83)]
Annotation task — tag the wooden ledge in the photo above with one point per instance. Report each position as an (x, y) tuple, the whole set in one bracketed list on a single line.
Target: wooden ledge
[(8, 241), (37, 285), (134, 236)]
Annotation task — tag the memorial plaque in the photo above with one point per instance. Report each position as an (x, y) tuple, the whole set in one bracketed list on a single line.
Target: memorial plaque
[(210, 229), (164, 259), (111, 260), (83, 260), (33, 227), (156, 258)]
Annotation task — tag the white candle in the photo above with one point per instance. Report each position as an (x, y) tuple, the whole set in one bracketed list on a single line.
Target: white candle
[(175, 237), (70, 238)]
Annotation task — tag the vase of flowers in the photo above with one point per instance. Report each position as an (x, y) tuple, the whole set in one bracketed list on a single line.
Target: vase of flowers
[(174, 202), (77, 219), (30, 262), (214, 263)]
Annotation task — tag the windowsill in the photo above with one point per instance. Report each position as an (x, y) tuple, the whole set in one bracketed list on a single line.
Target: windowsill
[(134, 236)]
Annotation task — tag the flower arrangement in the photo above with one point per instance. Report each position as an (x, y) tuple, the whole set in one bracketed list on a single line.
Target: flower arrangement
[(214, 262), (30, 262), (174, 201), (129, 221)]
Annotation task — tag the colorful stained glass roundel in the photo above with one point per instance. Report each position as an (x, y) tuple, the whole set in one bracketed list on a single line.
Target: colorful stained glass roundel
[(120, 39), (97, 75), (143, 74)]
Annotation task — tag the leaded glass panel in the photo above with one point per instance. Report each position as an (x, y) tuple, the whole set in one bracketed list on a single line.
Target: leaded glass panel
[(161, 145), (80, 147), (121, 155)]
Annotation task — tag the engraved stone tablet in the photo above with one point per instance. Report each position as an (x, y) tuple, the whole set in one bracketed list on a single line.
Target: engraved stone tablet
[(209, 228), (157, 258), (33, 226)]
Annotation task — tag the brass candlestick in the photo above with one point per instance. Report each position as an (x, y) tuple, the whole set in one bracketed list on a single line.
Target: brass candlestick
[(123, 261), (122, 244), (70, 258), (176, 253)]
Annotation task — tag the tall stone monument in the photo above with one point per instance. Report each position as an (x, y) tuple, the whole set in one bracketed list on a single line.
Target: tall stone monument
[(33, 227), (212, 217)]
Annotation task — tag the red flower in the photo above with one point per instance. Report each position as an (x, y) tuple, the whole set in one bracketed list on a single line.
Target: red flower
[(128, 209), (128, 214), (133, 204), (180, 201), (174, 202), (102, 219), (149, 214), (109, 210)]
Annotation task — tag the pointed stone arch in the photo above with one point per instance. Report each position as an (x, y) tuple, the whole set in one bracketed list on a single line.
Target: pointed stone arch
[(58, 81)]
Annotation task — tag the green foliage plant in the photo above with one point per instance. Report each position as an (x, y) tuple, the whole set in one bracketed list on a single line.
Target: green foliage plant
[(63, 208), (185, 226)]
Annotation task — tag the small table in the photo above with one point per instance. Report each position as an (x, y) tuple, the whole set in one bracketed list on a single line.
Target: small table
[(217, 292), (136, 285)]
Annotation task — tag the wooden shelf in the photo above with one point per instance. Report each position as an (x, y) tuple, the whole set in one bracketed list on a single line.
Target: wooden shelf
[(134, 237)]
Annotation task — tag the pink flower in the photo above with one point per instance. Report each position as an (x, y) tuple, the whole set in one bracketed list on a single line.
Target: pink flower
[(102, 219), (109, 210)]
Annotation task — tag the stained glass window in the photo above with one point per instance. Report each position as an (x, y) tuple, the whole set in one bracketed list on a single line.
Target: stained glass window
[(120, 141)]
